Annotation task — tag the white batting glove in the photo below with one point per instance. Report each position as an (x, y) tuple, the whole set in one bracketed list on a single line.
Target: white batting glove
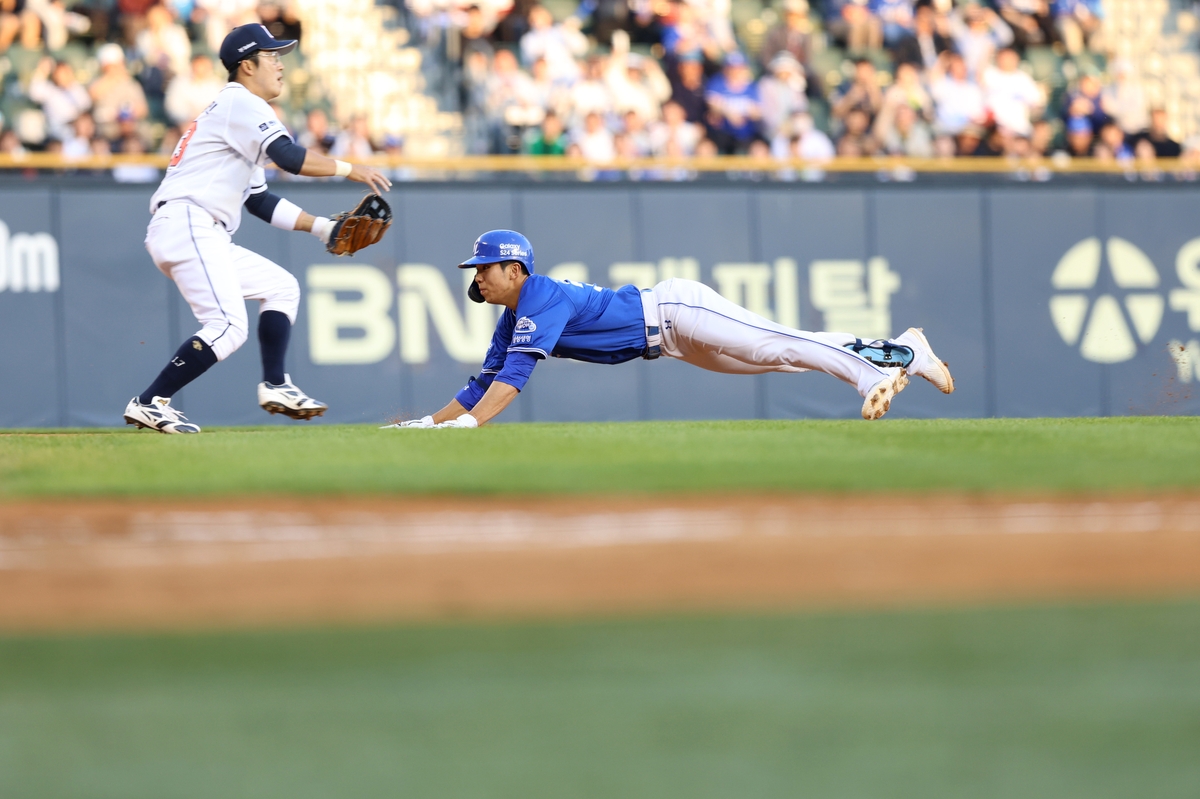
[(424, 422), (466, 420)]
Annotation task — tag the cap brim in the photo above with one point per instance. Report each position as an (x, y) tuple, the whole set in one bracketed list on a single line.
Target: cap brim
[(281, 46), (479, 260)]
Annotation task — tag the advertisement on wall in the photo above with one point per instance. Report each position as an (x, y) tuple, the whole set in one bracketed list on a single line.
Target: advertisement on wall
[(1045, 301)]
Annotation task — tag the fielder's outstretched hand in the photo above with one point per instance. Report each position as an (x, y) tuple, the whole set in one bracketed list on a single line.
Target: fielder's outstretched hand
[(371, 176)]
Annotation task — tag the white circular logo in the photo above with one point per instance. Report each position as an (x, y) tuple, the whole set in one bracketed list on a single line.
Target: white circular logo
[(1106, 336)]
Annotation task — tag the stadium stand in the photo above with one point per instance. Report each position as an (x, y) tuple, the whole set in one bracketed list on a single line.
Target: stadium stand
[(605, 80)]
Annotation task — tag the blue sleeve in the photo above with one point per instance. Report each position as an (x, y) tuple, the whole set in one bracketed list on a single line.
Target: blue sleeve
[(470, 394), (517, 369), (497, 352), (286, 154), (493, 361)]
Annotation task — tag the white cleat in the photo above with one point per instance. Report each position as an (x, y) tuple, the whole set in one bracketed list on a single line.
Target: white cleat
[(158, 415), (924, 363), (289, 400), (879, 398)]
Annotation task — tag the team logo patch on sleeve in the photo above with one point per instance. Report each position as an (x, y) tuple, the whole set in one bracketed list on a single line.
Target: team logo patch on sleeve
[(525, 325), (265, 125)]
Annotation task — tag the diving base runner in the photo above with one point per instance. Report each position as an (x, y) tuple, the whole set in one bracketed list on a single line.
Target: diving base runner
[(677, 318)]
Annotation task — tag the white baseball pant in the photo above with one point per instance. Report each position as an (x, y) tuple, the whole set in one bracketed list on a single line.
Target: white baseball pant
[(703, 328), (216, 276)]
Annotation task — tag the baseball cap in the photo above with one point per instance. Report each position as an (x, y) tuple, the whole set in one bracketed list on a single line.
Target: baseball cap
[(246, 40), (735, 59)]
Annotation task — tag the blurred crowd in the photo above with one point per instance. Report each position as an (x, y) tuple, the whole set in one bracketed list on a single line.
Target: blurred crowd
[(616, 78), (918, 78), (96, 77)]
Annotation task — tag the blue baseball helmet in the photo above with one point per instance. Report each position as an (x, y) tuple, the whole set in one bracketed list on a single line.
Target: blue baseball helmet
[(501, 245)]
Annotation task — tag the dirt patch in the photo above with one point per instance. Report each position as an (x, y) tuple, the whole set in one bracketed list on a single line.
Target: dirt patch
[(133, 565)]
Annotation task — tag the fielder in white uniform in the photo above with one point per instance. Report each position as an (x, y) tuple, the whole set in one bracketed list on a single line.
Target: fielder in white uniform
[(677, 319), (216, 169)]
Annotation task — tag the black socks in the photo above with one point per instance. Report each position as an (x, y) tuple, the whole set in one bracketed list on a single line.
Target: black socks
[(274, 331), (192, 359)]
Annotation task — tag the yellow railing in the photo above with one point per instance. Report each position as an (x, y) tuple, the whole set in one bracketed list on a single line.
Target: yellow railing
[(543, 163)]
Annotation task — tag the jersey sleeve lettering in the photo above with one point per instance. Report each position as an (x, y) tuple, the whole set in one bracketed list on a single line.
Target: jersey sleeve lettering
[(251, 126)]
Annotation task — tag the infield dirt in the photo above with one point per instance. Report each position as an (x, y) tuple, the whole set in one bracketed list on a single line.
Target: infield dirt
[(161, 565)]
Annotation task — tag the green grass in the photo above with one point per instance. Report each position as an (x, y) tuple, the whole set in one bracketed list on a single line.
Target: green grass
[(1055, 702), (981, 455)]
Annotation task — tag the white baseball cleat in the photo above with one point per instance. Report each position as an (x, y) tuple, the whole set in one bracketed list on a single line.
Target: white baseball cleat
[(158, 415), (289, 400), (879, 398), (924, 363)]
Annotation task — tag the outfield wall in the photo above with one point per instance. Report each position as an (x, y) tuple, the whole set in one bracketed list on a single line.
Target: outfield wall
[(1046, 300)]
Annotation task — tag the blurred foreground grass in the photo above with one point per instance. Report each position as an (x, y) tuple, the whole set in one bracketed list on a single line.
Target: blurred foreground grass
[(1055, 702), (977, 455)]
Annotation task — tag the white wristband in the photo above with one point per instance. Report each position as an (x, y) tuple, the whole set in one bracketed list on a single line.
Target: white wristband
[(342, 168), (322, 226), (285, 215)]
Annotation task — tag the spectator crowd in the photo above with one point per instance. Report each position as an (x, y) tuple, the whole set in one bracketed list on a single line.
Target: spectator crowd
[(97, 77), (612, 79), (916, 78)]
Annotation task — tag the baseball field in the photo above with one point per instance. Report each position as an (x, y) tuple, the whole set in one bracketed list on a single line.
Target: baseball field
[(943, 608)]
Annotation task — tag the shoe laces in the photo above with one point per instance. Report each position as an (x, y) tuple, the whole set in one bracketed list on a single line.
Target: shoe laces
[(174, 414)]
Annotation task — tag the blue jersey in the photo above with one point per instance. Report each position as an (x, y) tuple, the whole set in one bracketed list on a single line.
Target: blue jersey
[(561, 319)]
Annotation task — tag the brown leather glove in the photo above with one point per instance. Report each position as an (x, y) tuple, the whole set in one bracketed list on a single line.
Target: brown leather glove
[(360, 228)]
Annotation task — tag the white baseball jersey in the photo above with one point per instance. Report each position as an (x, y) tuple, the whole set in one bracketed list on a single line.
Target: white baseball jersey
[(220, 156)]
